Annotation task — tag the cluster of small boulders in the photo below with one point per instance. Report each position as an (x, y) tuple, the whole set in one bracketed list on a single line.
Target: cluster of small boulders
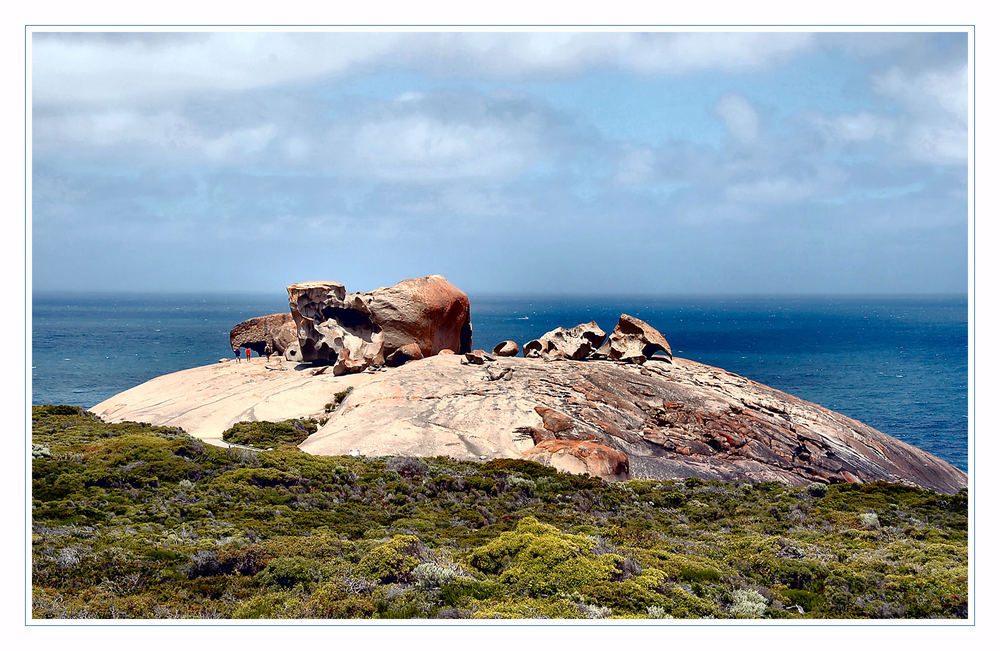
[(633, 340)]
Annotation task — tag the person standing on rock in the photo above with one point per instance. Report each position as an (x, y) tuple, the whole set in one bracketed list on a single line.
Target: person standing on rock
[(236, 351), (268, 351), (248, 353)]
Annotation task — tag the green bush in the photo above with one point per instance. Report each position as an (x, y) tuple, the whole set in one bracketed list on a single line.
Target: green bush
[(267, 434), (748, 604), (538, 559), (290, 572), (392, 560), (135, 521)]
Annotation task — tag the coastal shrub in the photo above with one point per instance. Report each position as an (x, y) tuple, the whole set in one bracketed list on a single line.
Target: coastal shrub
[(805, 599), (869, 520), (465, 590), (591, 611), (817, 489), (432, 575), (262, 606), (58, 410), (748, 604), (130, 520), (333, 601), (203, 563), (539, 559), (407, 467), (290, 572), (391, 561), (262, 433), (529, 608), (657, 612)]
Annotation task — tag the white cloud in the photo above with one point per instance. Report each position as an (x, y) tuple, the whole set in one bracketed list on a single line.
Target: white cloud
[(637, 165), (739, 116), (857, 127), (936, 91), (240, 143), (936, 106), (158, 134), (929, 118), (781, 189), (426, 147), (125, 69)]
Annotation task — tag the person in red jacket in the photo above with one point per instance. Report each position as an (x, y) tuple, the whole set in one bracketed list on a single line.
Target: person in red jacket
[(248, 353)]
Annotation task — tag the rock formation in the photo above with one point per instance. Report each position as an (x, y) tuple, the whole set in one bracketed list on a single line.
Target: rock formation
[(275, 329), (580, 457), (506, 349), (670, 420), (566, 343), (633, 340), (478, 356), (404, 354), (620, 413), (358, 330)]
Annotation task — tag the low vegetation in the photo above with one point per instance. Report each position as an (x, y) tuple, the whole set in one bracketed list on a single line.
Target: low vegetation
[(135, 521), (264, 434)]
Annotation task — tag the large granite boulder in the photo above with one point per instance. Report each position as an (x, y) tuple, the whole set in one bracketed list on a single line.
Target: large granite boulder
[(671, 420), (633, 340), (358, 330), (506, 349), (566, 343), (580, 457), (256, 333)]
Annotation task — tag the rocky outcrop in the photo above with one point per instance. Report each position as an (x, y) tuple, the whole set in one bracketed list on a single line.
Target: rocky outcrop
[(506, 349), (566, 343), (633, 340), (580, 457), (256, 333), (670, 420), (478, 357), (358, 330), (404, 354)]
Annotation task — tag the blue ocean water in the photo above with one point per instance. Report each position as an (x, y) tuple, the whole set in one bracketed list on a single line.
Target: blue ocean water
[(898, 364)]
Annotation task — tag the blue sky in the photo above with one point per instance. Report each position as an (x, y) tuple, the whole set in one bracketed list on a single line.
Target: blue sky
[(600, 163)]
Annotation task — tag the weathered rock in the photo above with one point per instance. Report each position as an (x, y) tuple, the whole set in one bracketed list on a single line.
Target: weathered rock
[(681, 420), (404, 354), (566, 343), (506, 349), (633, 340), (553, 421), (581, 457), (355, 331), (256, 333), (479, 357)]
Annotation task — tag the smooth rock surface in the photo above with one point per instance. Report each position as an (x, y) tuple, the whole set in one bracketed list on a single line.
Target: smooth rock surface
[(506, 349), (580, 457), (670, 420)]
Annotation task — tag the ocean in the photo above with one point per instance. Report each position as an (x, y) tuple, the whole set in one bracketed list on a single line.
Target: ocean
[(899, 364)]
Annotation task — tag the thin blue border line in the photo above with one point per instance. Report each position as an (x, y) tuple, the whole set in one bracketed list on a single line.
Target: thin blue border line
[(30, 622)]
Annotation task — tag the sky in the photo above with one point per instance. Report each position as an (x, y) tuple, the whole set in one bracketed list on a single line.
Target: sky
[(512, 163)]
